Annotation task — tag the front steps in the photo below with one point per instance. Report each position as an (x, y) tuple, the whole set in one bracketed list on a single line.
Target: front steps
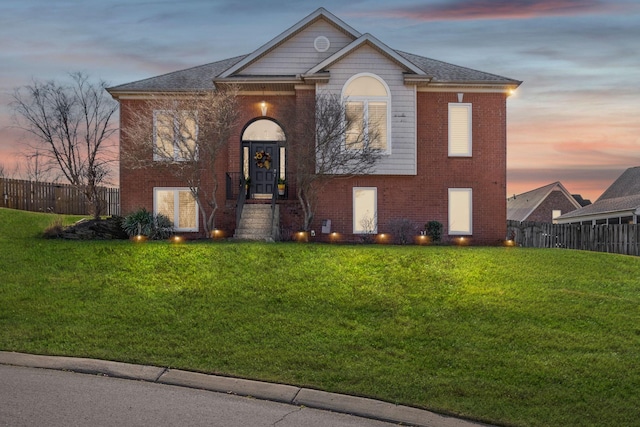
[(257, 223)]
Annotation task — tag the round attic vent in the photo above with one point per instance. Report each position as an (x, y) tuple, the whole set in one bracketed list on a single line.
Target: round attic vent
[(321, 43)]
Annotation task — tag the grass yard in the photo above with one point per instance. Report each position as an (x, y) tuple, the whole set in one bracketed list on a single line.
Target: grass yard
[(509, 336)]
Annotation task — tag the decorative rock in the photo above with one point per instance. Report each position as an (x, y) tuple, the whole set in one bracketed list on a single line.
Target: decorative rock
[(102, 229)]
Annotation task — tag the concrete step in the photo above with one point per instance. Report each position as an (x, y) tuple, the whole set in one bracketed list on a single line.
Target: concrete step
[(256, 223)]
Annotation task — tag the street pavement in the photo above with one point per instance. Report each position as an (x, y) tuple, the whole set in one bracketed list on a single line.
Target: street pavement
[(64, 391)]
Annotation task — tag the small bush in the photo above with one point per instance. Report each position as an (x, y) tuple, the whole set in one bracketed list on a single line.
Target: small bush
[(145, 223), (433, 229), (54, 230), (403, 231)]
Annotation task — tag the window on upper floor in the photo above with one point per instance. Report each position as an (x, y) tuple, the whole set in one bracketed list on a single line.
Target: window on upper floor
[(460, 140), (175, 134), (367, 108), (179, 205)]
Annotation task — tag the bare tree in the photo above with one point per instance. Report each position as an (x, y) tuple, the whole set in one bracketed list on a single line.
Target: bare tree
[(70, 128), (186, 135), (37, 168), (331, 142)]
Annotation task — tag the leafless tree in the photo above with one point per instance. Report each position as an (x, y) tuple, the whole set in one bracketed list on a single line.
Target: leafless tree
[(35, 167), (70, 127), (331, 142), (185, 135)]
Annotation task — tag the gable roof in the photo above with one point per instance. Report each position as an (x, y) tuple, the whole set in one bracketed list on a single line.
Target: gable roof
[(371, 41), (420, 70), (627, 184), (622, 197), (520, 206), (320, 13)]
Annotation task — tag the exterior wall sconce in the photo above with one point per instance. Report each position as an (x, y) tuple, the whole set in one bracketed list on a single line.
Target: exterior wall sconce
[(263, 108)]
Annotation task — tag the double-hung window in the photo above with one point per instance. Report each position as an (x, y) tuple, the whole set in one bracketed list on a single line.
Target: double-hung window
[(367, 109), (365, 210), (179, 205), (460, 130), (175, 135), (460, 211)]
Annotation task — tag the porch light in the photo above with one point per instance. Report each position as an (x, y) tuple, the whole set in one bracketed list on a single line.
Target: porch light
[(263, 108)]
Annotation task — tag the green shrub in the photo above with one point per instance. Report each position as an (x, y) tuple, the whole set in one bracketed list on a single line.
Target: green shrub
[(433, 229), (145, 223)]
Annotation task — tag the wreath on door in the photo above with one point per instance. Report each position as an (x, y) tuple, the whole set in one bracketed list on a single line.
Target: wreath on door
[(263, 159)]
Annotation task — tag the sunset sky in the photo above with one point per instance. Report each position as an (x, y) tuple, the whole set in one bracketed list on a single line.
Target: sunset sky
[(575, 119)]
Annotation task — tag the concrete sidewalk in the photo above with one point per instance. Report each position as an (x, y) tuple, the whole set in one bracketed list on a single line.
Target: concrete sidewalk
[(362, 407)]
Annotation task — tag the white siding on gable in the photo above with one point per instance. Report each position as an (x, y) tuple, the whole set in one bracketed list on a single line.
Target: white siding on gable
[(402, 146), (301, 49)]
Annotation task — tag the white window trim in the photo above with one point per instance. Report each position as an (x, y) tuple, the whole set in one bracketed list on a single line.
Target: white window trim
[(366, 99), (357, 228), (176, 206), (469, 151), (459, 232), (176, 151)]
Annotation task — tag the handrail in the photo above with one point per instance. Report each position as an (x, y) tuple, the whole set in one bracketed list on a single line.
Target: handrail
[(274, 196), (242, 197)]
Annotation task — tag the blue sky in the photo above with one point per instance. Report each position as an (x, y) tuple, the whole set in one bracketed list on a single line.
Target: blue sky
[(575, 119)]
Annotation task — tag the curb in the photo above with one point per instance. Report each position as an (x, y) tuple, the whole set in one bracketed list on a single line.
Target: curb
[(359, 406)]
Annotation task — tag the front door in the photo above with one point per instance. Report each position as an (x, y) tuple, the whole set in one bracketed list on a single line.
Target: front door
[(263, 167), (263, 156)]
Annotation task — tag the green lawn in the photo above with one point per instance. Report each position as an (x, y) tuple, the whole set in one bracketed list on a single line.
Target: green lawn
[(505, 335)]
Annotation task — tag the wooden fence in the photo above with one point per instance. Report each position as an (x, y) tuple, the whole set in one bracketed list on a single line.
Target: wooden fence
[(618, 238), (54, 198)]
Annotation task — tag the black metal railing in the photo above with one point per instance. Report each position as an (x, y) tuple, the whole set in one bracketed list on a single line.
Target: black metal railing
[(242, 197), (233, 185)]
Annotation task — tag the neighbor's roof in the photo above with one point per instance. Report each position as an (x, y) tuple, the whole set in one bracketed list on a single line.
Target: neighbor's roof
[(520, 206), (201, 78), (622, 196)]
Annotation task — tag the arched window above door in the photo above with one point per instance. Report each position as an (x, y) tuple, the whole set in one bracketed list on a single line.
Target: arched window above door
[(263, 130)]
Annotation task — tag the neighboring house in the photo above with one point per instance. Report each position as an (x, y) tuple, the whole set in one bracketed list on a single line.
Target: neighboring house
[(543, 204), (444, 142), (619, 204)]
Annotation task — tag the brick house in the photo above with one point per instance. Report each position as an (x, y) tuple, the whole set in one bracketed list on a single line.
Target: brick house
[(443, 141), (544, 204)]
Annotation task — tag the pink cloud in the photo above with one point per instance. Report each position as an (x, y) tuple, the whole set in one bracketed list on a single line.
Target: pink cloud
[(460, 10)]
